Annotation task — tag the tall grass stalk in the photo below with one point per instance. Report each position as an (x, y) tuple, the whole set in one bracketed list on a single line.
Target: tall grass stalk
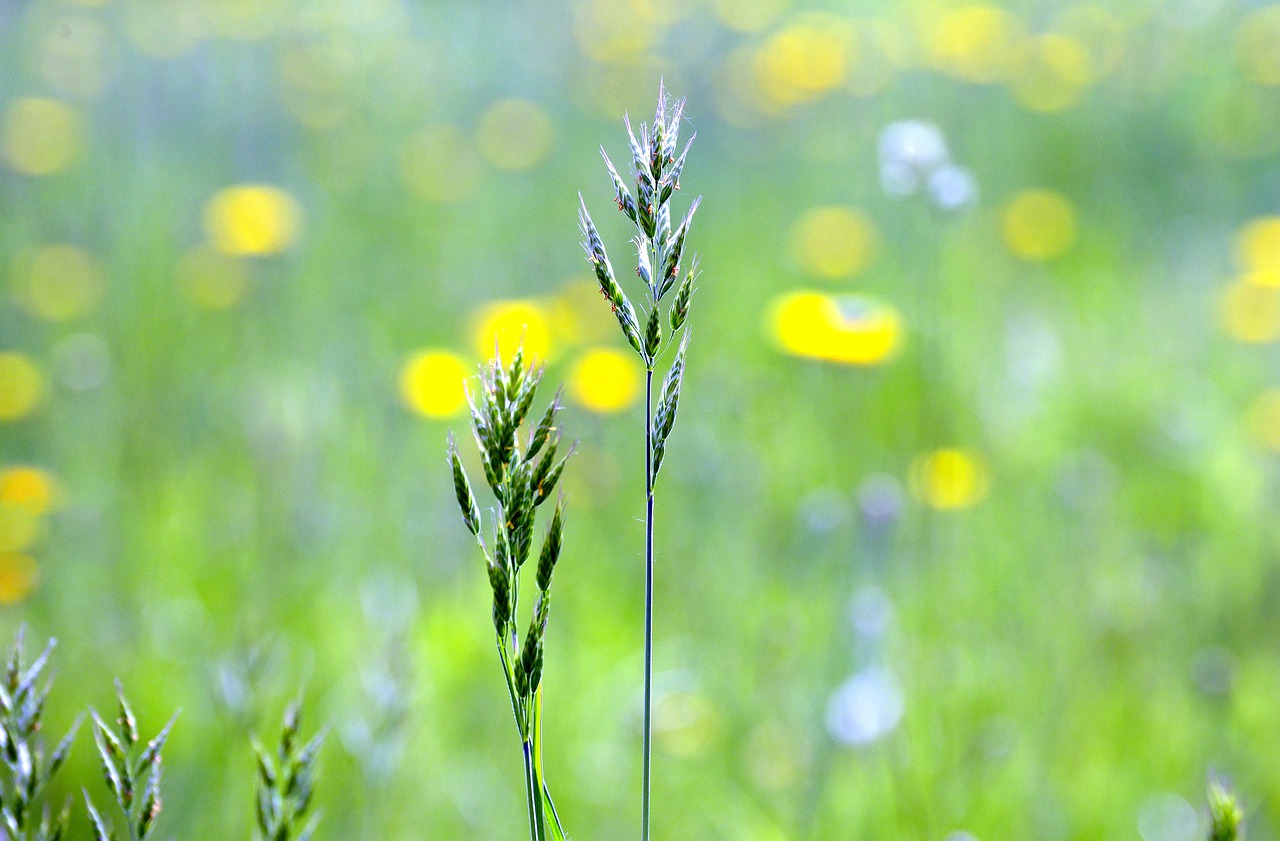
[(521, 474), (655, 172)]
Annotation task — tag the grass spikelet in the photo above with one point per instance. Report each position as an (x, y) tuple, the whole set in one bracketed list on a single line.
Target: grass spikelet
[(660, 251), (521, 480)]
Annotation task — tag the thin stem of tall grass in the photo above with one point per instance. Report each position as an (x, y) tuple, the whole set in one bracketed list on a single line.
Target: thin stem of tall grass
[(521, 474), (655, 172)]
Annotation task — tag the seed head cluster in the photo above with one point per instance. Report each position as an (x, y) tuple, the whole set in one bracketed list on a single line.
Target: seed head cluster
[(660, 253), (521, 473)]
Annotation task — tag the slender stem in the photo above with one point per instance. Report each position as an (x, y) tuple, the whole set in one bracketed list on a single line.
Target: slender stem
[(533, 752), (529, 784), (648, 603)]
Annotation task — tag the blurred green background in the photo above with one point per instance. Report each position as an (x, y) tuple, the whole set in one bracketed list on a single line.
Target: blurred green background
[(966, 530)]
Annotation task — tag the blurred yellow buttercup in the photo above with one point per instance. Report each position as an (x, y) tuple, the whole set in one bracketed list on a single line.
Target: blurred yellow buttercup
[(833, 241), (22, 386), (976, 43), (949, 479), (847, 329), (1250, 313), (41, 136), (19, 528), (29, 488), (433, 383), (252, 220), (605, 380), (511, 324), (58, 282), (17, 576), (1039, 224)]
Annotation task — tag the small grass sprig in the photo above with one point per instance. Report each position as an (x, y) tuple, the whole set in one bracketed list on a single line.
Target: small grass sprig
[(286, 782), (1226, 818), (27, 770), (660, 256), (132, 772), (521, 475)]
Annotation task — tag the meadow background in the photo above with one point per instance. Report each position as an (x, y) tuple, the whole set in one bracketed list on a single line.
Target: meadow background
[(968, 527)]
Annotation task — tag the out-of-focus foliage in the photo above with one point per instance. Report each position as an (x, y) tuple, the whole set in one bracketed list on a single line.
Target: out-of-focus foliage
[(969, 524)]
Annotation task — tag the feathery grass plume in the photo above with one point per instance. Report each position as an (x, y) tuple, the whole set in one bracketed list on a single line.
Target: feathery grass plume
[(27, 769), (521, 473), (1226, 818), (132, 773), (655, 172), (286, 782)]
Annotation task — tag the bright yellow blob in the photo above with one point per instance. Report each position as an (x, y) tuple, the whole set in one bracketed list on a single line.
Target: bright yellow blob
[(949, 479), (433, 383), (515, 135), (211, 279), (1259, 45), (833, 241), (58, 282), (605, 380), (1258, 250), (42, 136), (252, 220), (1052, 72), (17, 576), (19, 528), (1039, 224), (29, 488), (21, 386), (848, 329), (513, 324), (1250, 313), (802, 61), (975, 43), (437, 164), (1264, 419)]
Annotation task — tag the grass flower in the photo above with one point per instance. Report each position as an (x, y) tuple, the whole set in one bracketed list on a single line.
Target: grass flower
[(664, 265), (521, 473)]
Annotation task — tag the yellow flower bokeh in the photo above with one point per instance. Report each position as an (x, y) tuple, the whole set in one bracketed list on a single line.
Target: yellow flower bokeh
[(252, 220), (41, 136), (833, 241), (949, 479), (1250, 313), (29, 488), (17, 576), (976, 43), (508, 325), (1258, 45), (1258, 250), (22, 386), (803, 61), (433, 383), (1039, 224), (19, 528), (1052, 73), (605, 380), (515, 135), (58, 282), (848, 329)]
